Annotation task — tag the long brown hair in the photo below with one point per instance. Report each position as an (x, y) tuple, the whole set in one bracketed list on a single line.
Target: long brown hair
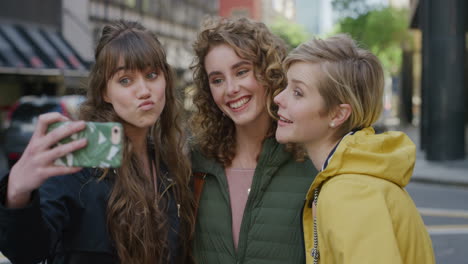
[(214, 134), (136, 212)]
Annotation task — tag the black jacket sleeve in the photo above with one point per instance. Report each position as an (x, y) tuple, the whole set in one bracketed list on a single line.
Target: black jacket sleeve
[(29, 234)]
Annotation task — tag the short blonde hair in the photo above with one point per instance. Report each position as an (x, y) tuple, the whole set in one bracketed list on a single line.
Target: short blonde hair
[(351, 75)]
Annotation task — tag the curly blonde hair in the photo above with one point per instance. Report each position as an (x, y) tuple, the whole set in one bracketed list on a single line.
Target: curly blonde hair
[(213, 133)]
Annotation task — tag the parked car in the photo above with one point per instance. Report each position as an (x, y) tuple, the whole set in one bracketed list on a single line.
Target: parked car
[(23, 116)]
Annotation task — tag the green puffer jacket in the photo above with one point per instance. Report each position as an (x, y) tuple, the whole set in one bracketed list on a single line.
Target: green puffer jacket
[(271, 226)]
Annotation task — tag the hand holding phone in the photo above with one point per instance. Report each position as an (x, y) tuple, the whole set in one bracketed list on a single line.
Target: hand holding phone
[(36, 164), (103, 150)]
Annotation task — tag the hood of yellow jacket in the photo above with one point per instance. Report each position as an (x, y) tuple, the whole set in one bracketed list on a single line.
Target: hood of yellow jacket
[(390, 156)]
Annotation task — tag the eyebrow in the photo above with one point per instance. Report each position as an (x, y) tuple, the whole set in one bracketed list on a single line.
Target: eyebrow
[(298, 81), (235, 66), (120, 68)]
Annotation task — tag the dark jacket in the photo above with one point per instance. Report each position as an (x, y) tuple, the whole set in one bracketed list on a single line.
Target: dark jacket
[(65, 222), (271, 225)]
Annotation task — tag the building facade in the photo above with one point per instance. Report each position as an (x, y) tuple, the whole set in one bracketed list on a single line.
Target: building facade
[(175, 22), (35, 58), (51, 51), (272, 9), (261, 10), (241, 8), (315, 15)]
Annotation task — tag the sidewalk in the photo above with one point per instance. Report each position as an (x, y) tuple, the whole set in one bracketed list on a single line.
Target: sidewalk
[(440, 172)]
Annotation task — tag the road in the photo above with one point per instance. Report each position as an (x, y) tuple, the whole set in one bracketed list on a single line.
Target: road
[(445, 212)]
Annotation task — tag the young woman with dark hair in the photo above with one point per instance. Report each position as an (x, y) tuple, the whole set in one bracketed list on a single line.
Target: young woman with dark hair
[(139, 213)]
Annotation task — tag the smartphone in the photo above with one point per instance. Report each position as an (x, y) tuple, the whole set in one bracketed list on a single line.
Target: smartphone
[(104, 148)]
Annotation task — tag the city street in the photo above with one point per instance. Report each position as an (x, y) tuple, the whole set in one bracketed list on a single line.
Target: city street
[(445, 212)]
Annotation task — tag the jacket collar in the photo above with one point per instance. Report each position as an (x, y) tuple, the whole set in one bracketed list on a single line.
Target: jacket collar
[(272, 155), (389, 156)]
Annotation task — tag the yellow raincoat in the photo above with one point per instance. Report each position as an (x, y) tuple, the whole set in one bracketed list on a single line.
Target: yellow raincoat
[(363, 213)]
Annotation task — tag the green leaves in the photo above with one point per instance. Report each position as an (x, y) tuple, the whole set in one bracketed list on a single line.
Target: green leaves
[(293, 34), (380, 29)]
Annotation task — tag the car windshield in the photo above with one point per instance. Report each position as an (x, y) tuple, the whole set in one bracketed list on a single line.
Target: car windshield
[(27, 111)]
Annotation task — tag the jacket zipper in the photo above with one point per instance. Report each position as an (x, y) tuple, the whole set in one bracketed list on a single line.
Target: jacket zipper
[(302, 229), (245, 224)]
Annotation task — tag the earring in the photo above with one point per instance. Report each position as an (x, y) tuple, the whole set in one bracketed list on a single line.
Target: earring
[(332, 124)]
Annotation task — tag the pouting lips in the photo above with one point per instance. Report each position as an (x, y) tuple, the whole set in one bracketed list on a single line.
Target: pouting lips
[(285, 120), (239, 103)]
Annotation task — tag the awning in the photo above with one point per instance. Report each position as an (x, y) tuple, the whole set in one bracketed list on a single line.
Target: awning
[(32, 50)]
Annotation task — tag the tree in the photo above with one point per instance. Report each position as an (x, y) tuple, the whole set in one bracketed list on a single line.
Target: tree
[(293, 34), (353, 8), (380, 29)]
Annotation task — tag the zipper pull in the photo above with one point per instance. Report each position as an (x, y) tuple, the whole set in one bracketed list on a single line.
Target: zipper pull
[(178, 210)]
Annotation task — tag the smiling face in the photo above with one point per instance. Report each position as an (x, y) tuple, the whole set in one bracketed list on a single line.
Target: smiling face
[(138, 97), (234, 87), (303, 118)]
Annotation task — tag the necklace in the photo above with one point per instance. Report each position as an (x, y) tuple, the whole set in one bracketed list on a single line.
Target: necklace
[(315, 251)]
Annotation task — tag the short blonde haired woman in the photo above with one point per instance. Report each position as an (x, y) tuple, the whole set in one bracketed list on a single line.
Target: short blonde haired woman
[(357, 210)]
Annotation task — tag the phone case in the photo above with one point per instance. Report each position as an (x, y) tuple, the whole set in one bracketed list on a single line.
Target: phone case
[(104, 148)]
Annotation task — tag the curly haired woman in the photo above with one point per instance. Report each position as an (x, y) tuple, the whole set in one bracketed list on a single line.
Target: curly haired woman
[(254, 188)]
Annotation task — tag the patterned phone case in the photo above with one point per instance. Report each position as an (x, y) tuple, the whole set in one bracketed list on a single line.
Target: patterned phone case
[(104, 148)]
